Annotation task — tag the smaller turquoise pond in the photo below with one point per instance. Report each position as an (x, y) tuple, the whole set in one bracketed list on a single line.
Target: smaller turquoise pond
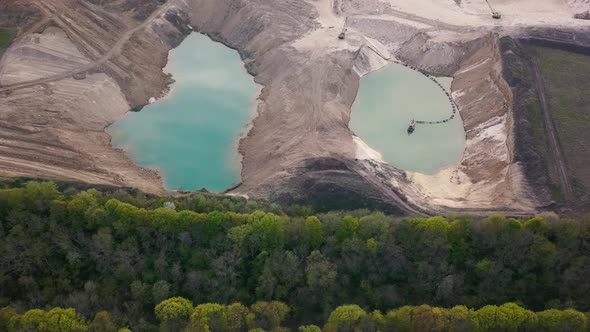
[(388, 100), (191, 135)]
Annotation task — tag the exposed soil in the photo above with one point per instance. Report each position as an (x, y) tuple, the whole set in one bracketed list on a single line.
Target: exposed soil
[(77, 66), (70, 74)]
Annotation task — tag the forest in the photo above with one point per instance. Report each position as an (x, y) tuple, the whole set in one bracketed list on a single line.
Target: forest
[(104, 260)]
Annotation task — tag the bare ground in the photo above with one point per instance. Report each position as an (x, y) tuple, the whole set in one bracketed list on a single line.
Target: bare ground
[(66, 78), (300, 148)]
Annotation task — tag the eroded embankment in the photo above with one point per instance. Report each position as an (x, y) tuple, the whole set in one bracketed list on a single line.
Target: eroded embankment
[(300, 148), (75, 68), (487, 178)]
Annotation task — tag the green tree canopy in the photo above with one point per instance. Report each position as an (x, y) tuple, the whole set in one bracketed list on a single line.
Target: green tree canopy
[(345, 318), (268, 315), (209, 317), (174, 308)]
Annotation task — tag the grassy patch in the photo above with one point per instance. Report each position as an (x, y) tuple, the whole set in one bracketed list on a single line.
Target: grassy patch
[(5, 38), (541, 144), (567, 82)]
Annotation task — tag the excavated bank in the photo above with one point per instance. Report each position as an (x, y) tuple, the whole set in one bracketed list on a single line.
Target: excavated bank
[(88, 66), (299, 148)]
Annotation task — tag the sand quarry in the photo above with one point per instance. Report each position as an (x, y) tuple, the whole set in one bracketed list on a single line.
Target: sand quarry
[(299, 146)]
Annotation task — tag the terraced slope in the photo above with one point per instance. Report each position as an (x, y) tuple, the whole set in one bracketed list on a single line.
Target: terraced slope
[(72, 73), (77, 65)]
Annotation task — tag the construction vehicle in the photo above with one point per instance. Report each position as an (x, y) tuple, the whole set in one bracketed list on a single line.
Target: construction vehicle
[(495, 14), (342, 34), (411, 127)]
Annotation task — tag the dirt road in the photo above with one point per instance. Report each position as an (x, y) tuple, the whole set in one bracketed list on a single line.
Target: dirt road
[(560, 166), (115, 50)]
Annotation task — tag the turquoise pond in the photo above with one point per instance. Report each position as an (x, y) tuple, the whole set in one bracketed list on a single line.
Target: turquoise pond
[(191, 135), (388, 100)]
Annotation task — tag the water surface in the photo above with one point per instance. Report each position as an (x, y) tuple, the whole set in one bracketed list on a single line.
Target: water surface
[(191, 135), (388, 100)]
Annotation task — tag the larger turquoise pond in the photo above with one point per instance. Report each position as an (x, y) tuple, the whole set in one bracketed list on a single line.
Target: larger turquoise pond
[(388, 100), (191, 135)]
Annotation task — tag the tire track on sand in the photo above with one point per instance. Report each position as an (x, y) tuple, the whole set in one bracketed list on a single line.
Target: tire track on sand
[(115, 50)]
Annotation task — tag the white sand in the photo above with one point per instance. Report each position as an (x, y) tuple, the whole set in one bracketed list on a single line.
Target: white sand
[(476, 13), (365, 152)]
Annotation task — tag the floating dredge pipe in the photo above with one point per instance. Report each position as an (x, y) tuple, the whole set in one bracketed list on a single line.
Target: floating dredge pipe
[(453, 104)]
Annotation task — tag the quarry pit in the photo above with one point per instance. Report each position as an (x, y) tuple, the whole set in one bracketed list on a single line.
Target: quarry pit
[(76, 67)]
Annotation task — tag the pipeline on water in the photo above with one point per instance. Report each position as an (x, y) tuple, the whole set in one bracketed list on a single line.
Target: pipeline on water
[(453, 104)]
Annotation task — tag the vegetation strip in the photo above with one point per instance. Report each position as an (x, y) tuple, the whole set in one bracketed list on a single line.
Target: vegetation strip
[(179, 314), (5, 39), (126, 253)]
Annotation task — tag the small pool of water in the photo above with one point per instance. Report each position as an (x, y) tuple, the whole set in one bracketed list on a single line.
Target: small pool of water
[(388, 100), (191, 135)]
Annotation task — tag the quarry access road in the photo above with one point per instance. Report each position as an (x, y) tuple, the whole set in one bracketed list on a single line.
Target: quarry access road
[(551, 133), (115, 50)]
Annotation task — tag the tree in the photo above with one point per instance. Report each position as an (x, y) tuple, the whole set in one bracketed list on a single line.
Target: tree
[(377, 320), (280, 274), (309, 328), (39, 195), (119, 251), (267, 232), (372, 245), (236, 314), (103, 323), (55, 320), (486, 317), (313, 232), (458, 234), (549, 320), (6, 314), (348, 228), (320, 272), (573, 320), (160, 290), (508, 317), (512, 318), (399, 319), (173, 313), (268, 315), (424, 318), (65, 320), (32, 320), (209, 317), (460, 320), (345, 318), (537, 225), (299, 210)]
